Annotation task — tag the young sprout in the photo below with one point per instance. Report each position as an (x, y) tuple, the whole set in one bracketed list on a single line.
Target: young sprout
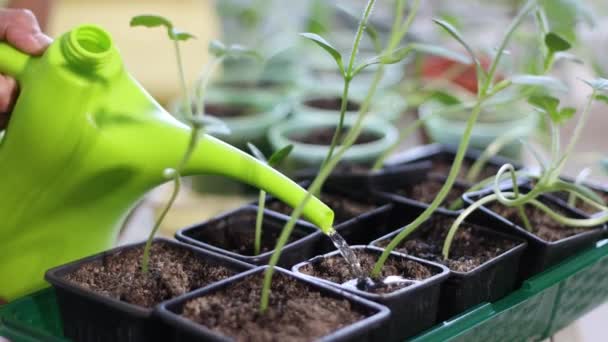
[(397, 33), (274, 160), (487, 88), (198, 122), (548, 181)]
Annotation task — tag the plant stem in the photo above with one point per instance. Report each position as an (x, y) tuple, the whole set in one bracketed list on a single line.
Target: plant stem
[(493, 149), (315, 187), (462, 148), (348, 74), (379, 163), (145, 260), (259, 219)]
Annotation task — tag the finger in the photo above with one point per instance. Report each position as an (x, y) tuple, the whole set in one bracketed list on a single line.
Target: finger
[(8, 93), (19, 28)]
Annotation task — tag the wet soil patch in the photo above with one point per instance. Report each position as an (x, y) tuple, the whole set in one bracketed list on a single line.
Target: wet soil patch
[(426, 190), (335, 269)]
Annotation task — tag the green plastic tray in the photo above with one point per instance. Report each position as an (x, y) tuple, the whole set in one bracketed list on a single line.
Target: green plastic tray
[(542, 306)]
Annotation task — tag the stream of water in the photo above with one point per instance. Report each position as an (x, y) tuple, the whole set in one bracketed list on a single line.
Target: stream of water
[(362, 281)]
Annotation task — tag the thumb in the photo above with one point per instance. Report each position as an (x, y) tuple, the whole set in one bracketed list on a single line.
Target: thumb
[(19, 28)]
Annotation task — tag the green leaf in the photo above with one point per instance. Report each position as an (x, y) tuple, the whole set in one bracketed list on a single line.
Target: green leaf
[(371, 32), (392, 57), (556, 43), (256, 152), (601, 97), (151, 21), (217, 48), (334, 53), (598, 84), (440, 51), (157, 21), (182, 36), (544, 103), (566, 114), (445, 98), (277, 157), (456, 35), (542, 81)]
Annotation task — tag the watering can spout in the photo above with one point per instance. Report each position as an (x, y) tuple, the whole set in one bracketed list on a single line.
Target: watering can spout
[(84, 143)]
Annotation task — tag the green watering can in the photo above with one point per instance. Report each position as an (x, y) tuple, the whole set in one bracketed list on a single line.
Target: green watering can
[(84, 143)]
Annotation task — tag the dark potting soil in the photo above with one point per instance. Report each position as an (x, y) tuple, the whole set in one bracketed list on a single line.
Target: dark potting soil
[(332, 103), (344, 208), (425, 191), (543, 226), (335, 269), (441, 166), (228, 110), (469, 250), (172, 272), (236, 233), (247, 85), (323, 136), (295, 312)]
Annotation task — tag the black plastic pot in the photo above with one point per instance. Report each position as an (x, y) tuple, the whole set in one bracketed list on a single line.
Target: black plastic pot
[(217, 233), (488, 282), (435, 152), (389, 193), (354, 191), (540, 254), (185, 330), (88, 316), (413, 308), (392, 175)]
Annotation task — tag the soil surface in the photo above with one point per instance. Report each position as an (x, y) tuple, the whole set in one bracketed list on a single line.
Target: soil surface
[(236, 233), (295, 312), (335, 269), (172, 272), (228, 110), (323, 136), (344, 208), (470, 248), (441, 166), (425, 191), (247, 85), (332, 103), (542, 225)]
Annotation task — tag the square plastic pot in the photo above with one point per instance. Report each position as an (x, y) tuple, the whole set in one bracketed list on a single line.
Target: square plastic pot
[(413, 308), (185, 330), (89, 316), (447, 153), (216, 233), (488, 282), (540, 254)]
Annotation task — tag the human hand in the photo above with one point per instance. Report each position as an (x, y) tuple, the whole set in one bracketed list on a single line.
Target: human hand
[(19, 28)]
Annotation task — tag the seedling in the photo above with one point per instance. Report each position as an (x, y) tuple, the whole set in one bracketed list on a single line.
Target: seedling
[(274, 160), (198, 122), (488, 87), (390, 55), (548, 181)]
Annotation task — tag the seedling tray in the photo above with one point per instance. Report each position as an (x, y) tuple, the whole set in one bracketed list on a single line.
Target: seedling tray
[(543, 305)]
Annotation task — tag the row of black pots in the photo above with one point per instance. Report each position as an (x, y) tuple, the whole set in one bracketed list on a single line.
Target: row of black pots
[(458, 291), (91, 316)]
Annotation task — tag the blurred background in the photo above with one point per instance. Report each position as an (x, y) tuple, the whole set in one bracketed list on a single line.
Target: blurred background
[(297, 81)]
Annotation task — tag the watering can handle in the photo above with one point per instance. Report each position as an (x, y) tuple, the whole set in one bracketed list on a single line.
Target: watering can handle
[(12, 61)]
